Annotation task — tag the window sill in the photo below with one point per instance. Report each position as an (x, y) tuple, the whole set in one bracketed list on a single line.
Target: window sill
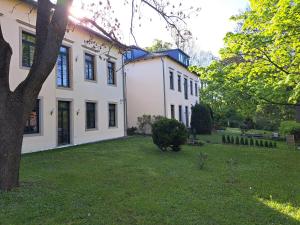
[(32, 135), (91, 129), (64, 88), (91, 81)]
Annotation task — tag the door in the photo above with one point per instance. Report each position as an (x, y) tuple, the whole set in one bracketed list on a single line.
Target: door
[(63, 126)]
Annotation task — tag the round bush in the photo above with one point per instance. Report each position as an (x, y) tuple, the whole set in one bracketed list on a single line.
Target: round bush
[(169, 133)]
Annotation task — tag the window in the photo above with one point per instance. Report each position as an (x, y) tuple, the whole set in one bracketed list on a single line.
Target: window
[(90, 115), (187, 116), (196, 89), (180, 113), (28, 46), (111, 73), (172, 112), (185, 85), (32, 125), (179, 83), (62, 68), (180, 57), (191, 87), (89, 67), (171, 80), (112, 115)]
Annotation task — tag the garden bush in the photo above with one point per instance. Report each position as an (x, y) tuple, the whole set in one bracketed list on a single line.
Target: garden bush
[(242, 141), (228, 139), (289, 127), (251, 142), (223, 139), (237, 140), (256, 143), (246, 141), (169, 134), (232, 140), (201, 119), (131, 131), (266, 144)]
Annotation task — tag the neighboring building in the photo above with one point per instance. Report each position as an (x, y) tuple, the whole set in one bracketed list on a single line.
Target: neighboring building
[(160, 84), (82, 100)]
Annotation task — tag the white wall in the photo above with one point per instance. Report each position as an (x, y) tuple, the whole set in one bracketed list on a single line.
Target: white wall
[(145, 88), (79, 92), (144, 81)]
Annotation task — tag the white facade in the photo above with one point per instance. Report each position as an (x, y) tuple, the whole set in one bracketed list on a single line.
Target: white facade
[(15, 19), (149, 90)]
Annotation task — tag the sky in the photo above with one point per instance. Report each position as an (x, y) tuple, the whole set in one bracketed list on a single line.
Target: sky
[(208, 28)]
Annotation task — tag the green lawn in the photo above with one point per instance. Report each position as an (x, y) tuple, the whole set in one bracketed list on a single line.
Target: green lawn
[(131, 182)]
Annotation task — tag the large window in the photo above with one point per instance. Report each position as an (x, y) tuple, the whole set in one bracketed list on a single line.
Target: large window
[(111, 73), (185, 86), (28, 46), (90, 115), (89, 67), (32, 125), (112, 111), (172, 112), (191, 87), (179, 83), (171, 80), (62, 68), (180, 113), (196, 89)]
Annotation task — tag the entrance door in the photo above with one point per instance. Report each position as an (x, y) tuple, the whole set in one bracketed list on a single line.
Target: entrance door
[(63, 126)]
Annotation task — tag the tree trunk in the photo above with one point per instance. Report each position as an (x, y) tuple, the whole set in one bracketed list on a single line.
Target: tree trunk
[(11, 137)]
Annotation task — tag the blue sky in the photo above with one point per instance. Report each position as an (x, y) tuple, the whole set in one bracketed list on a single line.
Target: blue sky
[(208, 29)]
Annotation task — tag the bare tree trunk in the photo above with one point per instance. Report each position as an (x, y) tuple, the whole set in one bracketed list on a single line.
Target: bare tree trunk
[(11, 137)]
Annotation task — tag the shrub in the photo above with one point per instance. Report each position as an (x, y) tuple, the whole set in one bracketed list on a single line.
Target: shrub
[(223, 139), (266, 144), (289, 127), (261, 143), (246, 141), (251, 142), (270, 145), (169, 133), (242, 141), (228, 139), (275, 144), (201, 119), (237, 140), (131, 131), (257, 143), (232, 140), (202, 158)]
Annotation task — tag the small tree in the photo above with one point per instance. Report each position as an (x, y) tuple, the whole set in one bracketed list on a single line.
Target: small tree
[(201, 120), (169, 133), (237, 140)]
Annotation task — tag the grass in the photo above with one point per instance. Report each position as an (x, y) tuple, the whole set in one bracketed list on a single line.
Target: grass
[(131, 182)]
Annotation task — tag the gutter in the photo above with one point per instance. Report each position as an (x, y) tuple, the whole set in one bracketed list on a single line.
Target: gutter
[(164, 86), (124, 97)]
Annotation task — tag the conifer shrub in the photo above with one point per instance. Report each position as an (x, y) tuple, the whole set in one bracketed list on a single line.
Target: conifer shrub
[(251, 142), (270, 145), (266, 144), (232, 140), (242, 141), (257, 143), (169, 134), (223, 139), (228, 139), (261, 143), (201, 119), (237, 140), (246, 141), (275, 144)]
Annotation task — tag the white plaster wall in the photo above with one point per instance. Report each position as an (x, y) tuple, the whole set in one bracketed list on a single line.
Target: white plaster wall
[(145, 93), (144, 81), (80, 90)]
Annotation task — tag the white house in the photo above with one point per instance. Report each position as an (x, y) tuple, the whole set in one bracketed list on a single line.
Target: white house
[(82, 101), (160, 84)]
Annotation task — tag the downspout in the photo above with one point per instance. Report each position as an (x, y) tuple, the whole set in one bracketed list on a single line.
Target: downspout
[(164, 87), (124, 97)]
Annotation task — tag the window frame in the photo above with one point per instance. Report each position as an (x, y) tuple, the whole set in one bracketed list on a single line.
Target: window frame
[(171, 79), (39, 120), (69, 54), (180, 113), (94, 67), (179, 88), (172, 108), (31, 33), (114, 73), (191, 87), (186, 88), (116, 115), (196, 89), (95, 115)]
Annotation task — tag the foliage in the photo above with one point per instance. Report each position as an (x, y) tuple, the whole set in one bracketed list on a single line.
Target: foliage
[(257, 143), (131, 131), (289, 127), (169, 133), (202, 158), (201, 119), (145, 122), (242, 141), (159, 45), (246, 141), (237, 140), (223, 139), (232, 140)]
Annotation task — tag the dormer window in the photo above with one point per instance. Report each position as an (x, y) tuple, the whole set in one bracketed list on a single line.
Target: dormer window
[(180, 57)]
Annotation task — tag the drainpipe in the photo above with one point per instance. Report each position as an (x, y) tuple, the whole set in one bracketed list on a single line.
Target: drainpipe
[(124, 97), (164, 86)]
